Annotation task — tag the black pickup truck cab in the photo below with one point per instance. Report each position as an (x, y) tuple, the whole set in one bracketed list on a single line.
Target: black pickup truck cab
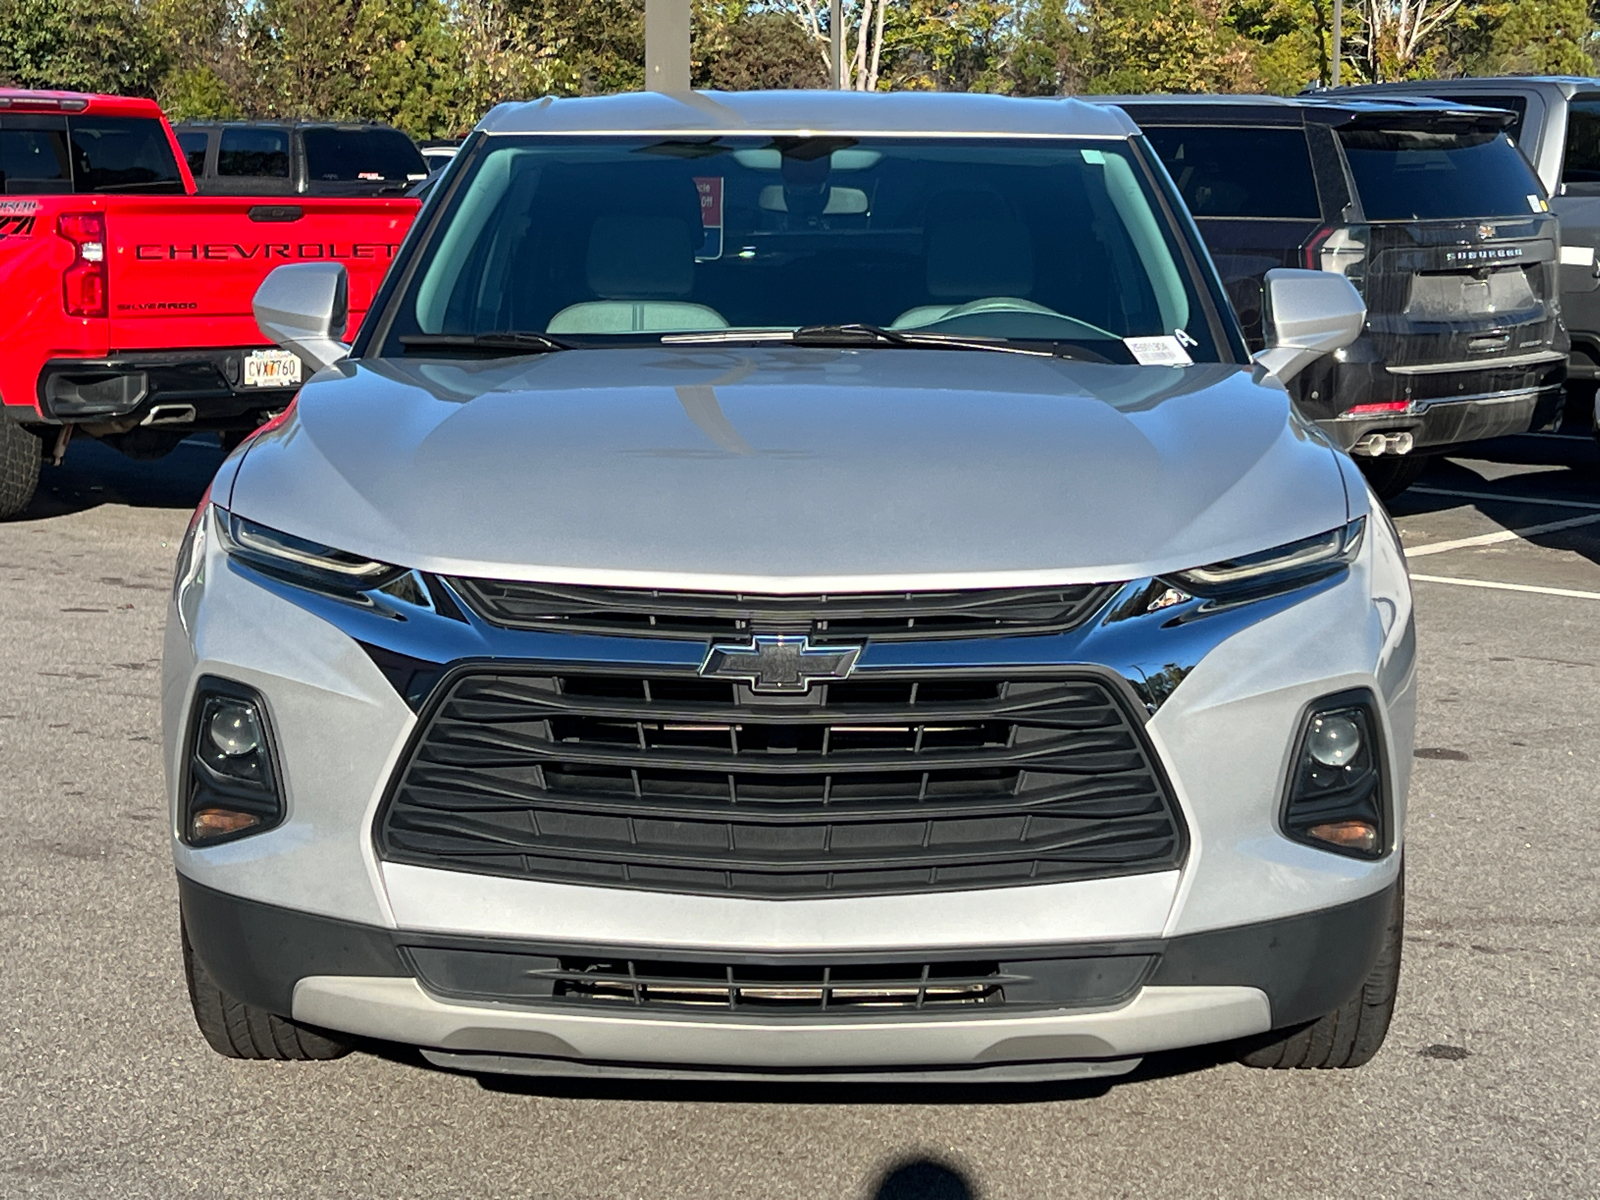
[(1431, 212), (299, 158)]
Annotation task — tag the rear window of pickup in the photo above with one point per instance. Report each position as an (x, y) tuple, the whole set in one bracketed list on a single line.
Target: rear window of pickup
[(50, 155)]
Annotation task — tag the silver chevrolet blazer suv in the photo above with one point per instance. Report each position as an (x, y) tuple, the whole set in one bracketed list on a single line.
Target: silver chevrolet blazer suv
[(793, 586)]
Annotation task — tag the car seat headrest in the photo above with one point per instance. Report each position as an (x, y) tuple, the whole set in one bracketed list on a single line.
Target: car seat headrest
[(640, 258), (973, 257)]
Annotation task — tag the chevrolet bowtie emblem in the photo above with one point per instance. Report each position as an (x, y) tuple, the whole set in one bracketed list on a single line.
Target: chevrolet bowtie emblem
[(779, 664)]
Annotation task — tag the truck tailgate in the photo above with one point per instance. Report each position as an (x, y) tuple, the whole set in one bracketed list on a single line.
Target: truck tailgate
[(32, 260), (183, 271)]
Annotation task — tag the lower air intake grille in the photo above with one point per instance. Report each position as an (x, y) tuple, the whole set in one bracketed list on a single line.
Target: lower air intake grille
[(891, 616), (887, 783), (775, 986)]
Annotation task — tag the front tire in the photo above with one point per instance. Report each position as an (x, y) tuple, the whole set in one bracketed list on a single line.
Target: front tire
[(238, 1030), (20, 454), (1351, 1034), (1392, 474)]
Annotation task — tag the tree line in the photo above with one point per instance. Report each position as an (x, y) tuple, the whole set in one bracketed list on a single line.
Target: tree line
[(433, 67)]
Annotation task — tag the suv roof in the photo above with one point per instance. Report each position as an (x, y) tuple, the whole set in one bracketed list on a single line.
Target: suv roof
[(25, 100), (915, 113), (1295, 110)]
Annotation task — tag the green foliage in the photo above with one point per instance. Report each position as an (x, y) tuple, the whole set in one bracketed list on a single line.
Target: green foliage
[(79, 45), (1542, 37), (1165, 46), (946, 45), (737, 50)]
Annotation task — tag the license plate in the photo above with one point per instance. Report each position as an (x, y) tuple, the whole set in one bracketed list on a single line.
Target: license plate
[(271, 369)]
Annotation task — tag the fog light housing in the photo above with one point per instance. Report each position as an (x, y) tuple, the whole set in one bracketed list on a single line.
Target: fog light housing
[(231, 785), (1337, 798)]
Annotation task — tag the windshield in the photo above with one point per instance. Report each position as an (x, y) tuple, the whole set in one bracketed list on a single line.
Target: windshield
[(628, 240)]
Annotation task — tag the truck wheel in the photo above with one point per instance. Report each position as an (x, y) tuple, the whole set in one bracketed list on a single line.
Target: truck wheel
[(1351, 1034), (238, 1030), (20, 453), (1392, 474)]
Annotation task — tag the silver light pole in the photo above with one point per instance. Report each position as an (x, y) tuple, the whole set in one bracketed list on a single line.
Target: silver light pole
[(1338, 38), (666, 45), (836, 42)]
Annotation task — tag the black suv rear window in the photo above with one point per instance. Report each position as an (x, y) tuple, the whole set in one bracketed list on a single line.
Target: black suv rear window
[(257, 153), (1418, 175), (1239, 171), (123, 154), (193, 146), (355, 155)]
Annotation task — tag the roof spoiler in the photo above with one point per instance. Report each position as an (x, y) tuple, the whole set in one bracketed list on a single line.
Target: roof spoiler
[(1431, 119)]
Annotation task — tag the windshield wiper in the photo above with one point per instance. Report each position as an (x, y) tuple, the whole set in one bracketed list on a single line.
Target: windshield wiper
[(876, 335), (487, 343)]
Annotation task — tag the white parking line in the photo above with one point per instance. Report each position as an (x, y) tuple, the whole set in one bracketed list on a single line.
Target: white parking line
[(1504, 535), (1536, 502), (1507, 587)]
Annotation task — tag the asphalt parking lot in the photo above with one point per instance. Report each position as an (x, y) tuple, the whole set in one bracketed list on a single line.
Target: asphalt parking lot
[(1485, 1087)]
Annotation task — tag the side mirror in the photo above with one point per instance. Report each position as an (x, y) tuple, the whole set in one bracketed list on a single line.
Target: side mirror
[(1308, 314), (303, 307)]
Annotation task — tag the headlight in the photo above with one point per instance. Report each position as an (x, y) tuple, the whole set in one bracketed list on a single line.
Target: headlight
[(1291, 565), (298, 561)]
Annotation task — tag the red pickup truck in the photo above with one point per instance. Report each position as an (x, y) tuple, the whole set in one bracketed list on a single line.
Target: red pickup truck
[(126, 297)]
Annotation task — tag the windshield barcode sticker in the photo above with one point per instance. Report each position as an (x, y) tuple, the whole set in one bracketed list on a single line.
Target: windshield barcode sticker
[(1164, 351)]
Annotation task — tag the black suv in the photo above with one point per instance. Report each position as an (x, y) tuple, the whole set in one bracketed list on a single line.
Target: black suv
[(299, 158), (1429, 209)]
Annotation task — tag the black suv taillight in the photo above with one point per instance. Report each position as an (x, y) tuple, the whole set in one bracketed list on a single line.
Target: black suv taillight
[(232, 786), (1341, 249), (1337, 797)]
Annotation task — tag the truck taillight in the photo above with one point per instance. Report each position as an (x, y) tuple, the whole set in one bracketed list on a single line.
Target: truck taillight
[(83, 284)]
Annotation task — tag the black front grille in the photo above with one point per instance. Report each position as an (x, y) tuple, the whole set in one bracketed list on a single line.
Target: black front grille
[(778, 987), (889, 616), (887, 783)]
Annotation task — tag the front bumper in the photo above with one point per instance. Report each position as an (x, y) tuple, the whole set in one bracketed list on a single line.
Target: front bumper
[(1227, 692), (1197, 988), (191, 389)]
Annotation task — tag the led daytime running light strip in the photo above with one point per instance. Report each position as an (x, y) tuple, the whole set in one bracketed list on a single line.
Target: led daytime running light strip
[(257, 540), (1324, 548)]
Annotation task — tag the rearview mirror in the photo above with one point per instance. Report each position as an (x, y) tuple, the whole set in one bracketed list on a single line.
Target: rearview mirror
[(303, 307), (1307, 314)]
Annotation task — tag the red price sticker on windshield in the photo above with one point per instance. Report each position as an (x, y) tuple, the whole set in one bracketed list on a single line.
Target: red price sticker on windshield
[(710, 189)]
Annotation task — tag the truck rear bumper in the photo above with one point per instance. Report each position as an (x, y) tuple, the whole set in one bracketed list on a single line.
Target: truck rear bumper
[(194, 389)]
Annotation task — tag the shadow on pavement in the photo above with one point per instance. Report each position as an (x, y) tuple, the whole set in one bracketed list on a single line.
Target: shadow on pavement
[(1570, 476), (92, 474), (923, 1179)]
